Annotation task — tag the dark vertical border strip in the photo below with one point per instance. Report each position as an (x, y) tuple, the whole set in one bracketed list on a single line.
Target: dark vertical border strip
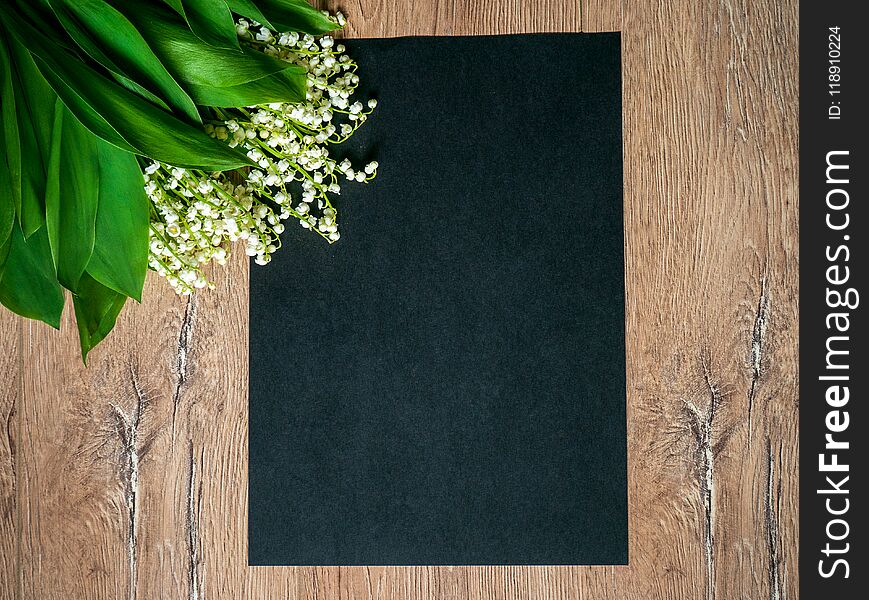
[(833, 231)]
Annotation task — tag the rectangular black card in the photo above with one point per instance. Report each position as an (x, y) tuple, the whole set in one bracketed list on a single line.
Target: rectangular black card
[(446, 383)]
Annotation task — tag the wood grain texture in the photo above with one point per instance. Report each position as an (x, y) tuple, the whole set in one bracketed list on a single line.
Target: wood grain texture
[(129, 479), (601, 15), (390, 18), (10, 400)]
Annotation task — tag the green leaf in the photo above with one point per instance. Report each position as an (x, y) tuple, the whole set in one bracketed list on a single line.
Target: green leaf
[(7, 210), (216, 76), (28, 286), (130, 123), (85, 113), (49, 25), (4, 253), (29, 139), (53, 183), (137, 125), (108, 37), (246, 8), (71, 198), (191, 61), (177, 5), (96, 310), (290, 85), (11, 146), (212, 22), (284, 15), (121, 117), (120, 257), (7, 201), (138, 89), (203, 17), (38, 13), (294, 15), (7, 214)]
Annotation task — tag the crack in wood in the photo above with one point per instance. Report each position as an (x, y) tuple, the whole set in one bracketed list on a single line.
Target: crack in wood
[(128, 432), (735, 64), (701, 425), (368, 581), (10, 441), (773, 494), (758, 336), (185, 336), (193, 528)]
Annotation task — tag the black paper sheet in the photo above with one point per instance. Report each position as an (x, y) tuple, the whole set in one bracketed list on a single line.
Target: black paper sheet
[(446, 384)]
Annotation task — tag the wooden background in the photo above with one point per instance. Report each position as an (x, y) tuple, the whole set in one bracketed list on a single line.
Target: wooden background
[(127, 480)]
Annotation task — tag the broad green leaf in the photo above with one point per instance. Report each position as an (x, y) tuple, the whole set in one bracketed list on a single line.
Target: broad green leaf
[(203, 17), (120, 257), (11, 146), (289, 85), (28, 286), (295, 15), (34, 106), (7, 211), (71, 198), (37, 11), (39, 15), (285, 15), (4, 252), (121, 117), (130, 123), (37, 95), (96, 310), (85, 113), (49, 25), (7, 201), (53, 183), (138, 89), (212, 22), (7, 214), (247, 8), (177, 5), (191, 61), (108, 37)]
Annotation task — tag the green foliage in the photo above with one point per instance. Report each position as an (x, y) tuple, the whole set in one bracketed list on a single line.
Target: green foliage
[(287, 15), (96, 310), (120, 257), (216, 76), (110, 39), (29, 284), (86, 86), (212, 22), (71, 197), (7, 210), (28, 112)]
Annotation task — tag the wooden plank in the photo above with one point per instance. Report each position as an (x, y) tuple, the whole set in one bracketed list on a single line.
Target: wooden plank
[(133, 480), (93, 514), (601, 15), (711, 220), (10, 401), (390, 18)]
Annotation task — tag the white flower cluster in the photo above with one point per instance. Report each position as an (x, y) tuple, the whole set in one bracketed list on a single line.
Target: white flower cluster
[(195, 216)]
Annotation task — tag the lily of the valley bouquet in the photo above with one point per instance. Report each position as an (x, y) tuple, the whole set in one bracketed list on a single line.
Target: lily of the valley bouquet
[(162, 134)]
